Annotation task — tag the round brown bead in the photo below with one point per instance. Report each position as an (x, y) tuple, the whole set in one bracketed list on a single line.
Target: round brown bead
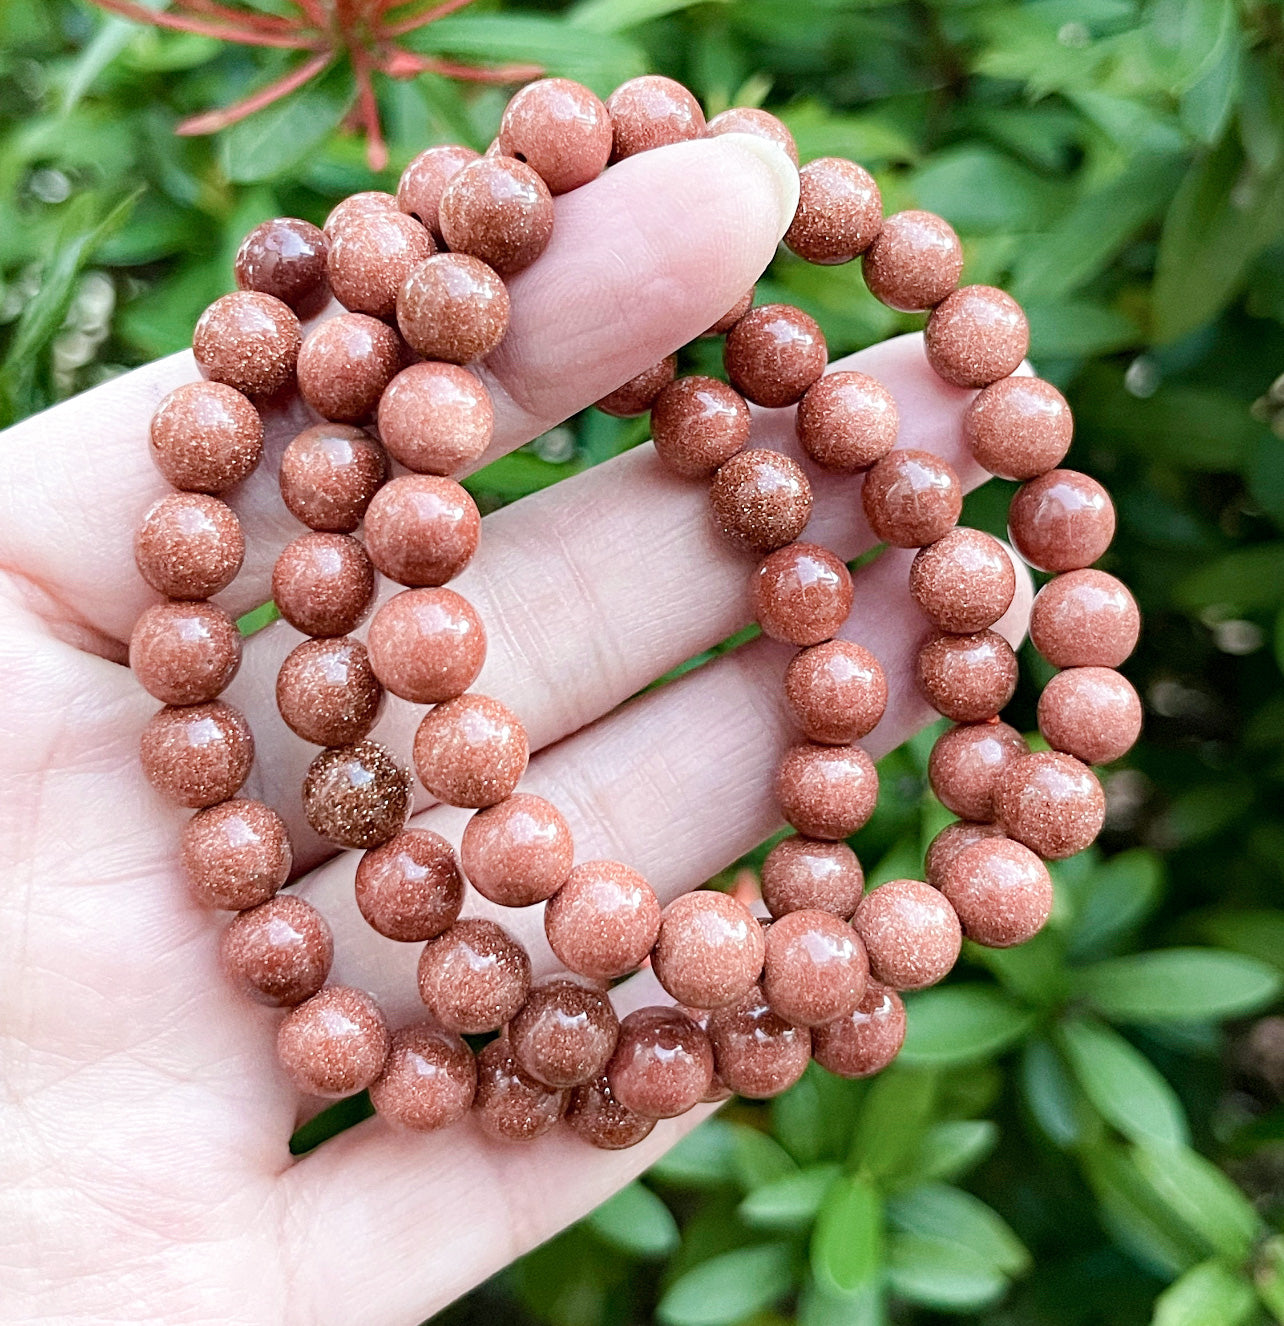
[(759, 123), (436, 418), (422, 530), (911, 498), (278, 952), (189, 546), (840, 211), (698, 424), (560, 129), (815, 968), (345, 364), (1018, 427), (638, 394), (865, 1042), (509, 1105), (1001, 891), (596, 1117), (471, 751), (335, 1043), (827, 791), (206, 437), (836, 691), (286, 257), (603, 921), (327, 692), (652, 111), (963, 582), (424, 180), (801, 594), (911, 933), (564, 1034), (197, 755), (500, 211), (718, 1089), (248, 341), (410, 888), (976, 336), (709, 950), (966, 763), (732, 315), (846, 421), (914, 262), (774, 353), (1093, 714), (329, 473), (367, 203), (371, 255), (760, 500), (518, 852), (356, 796), (453, 308), (427, 645), (1085, 619), (323, 583), (236, 854), (756, 1053), (950, 842), (185, 653), (968, 678), (1061, 521), (474, 977), (428, 1081), (806, 874), (1052, 803), (662, 1065)]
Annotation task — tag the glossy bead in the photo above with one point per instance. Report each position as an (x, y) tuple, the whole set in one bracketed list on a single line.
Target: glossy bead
[(759, 123), (335, 1043), (698, 424), (1001, 891), (638, 394), (453, 308), (248, 341), (911, 498), (826, 791), (427, 645), (356, 796), (1085, 619), (236, 854), (846, 421), (323, 583), (474, 977), (327, 692), (709, 950), (286, 257), (422, 530), (370, 256), (652, 111), (436, 418), (805, 874), (1018, 427), (428, 1081), (410, 888), (963, 582), (189, 546), (914, 262), (732, 315), (840, 211), (718, 1090), (1093, 714), (950, 842), (966, 763), (912, 935), (662, 1065), (815, 968), (367, 203), (471, 751), (564, 1034), (866, 1041), (345, 364), (424, 180), (1061, 521), (976, 336), (184, 653), (603, 921), (518, 852), (1052, 803), (279, 952), (835, 691), (801, 594), (500, 211), (756, 1053), (197, 755), (509, 1105), (968, 678), (560, 129), (206, 437), (760, 499), (596, 1117), (774, 353), (329, 473)]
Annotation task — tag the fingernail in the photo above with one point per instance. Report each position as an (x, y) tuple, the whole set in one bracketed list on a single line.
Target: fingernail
[(782, 171)]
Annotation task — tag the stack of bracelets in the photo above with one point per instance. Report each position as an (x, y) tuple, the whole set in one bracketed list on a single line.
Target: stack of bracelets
[(421, 276)]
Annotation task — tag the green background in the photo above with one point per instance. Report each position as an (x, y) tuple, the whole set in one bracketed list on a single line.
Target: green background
[(1085, 1130)]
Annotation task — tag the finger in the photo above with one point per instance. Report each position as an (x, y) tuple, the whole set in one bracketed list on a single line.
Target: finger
[(641, 261)]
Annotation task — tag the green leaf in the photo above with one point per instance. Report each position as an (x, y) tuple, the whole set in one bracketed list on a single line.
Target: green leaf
[(705, 1158), (617, 15), (1259, 934), (939, 1273), (847, 1242), (1207, 1295), (1242, 581), (818, 1306), (940, 1211), (1269, 1275), (959, 1024), (1118, 895), (257, 618), (1077, 329), (791, 1202), (1193, 1188), (636, 1221), (955, 1146), (759, 1158), (1050, 1092), (518, 474), (728, 1288), (893, 1119), (1178, 985), (983, 190)]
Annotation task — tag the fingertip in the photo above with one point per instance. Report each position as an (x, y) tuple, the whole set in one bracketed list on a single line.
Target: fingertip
[(765, 159)]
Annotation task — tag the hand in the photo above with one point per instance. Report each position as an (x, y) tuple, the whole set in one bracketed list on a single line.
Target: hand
[(144, 1121)]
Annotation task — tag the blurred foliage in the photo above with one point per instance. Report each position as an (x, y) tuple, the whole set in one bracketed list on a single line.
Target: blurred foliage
[(1086, 1130)]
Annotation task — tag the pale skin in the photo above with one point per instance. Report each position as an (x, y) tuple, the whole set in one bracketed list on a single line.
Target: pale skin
[(144, 1170)]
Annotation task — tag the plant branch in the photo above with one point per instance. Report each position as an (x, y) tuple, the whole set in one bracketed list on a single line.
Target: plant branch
[(211, 121), (205, 28)]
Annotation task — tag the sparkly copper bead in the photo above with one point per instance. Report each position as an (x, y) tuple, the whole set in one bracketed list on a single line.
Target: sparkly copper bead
[(197, 755), (759, 123), (428, 1081), (1093, 714), (760, 500), (329, 473), (564, 1034), (1061, 521), (950, 842), (756, 1053), (1085, 619), (698, 424), (914, 262), (335, 1043), (1018, 428), (1001, 891), (500, 211), (471, 751), (410, 888), (424, 180), (236, 854), (596, 1117), (662, 1065), (279, 952), (427, 645), (185, 653), (976, 336), (732, 315), (911, 498), (1052, 803), (846, 421), (286, 257), (968, 678), (652, 111), (560, 129), (639, 393), (963, 582), (836, 692), (206, 437), (453, 308), (356, 796), (709, 950), (603, 921), (802, 874), (774, 353), (327, 692), (436, 418), (827, 791), (248, 341), (323, 583), (966, 764), (370, 256), (422, 530), (865, 1042), (519, 852), (345, 364), (367, 203), (474, 977), (801, 594), (840, 211), (815, 968), (509, 1105), (189, 546), (911, 934)]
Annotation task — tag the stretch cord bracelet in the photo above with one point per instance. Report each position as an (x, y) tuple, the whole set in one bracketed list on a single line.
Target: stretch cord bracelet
[(421, 276)]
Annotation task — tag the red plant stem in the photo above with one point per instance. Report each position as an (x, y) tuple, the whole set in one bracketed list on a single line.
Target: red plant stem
[(315, 12), (404, 25), (204, 28), (376, 148), (212, 121), (504, 73), (261, 22)]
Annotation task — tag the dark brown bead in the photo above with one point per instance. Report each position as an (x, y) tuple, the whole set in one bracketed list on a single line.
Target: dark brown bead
[(327, 692), (1018, 427), (197, 755), (427, 645), (963, 582), (206, 437), (436, 418), (774, 353), (185, 653), (335, 1043), (827, 791), (471, 751), (761, 500), (453, 308), (367, 203), (846, 421), (189, 546), (346, 363), (370, 256), (286, 257), (1001, 891), (603, 921), (698, 424), (836, 692), (802, 874), (911, 933), (801, 594), (718, 1089), (500, 211), (759, 123), (815, 968), (560, 129), (915, 261), (474, 977), (840, 211), (1061, 521), (323, 583), (911, 498), (410, 888), (597, 1118), (424, 180), (968, 678), (950, 842), (509, 1105), (1093, 714), (662, 1065), (1052, 803), (519, 852), (638, 394), (248, 341), (329, 473), (966, 764), (709, 950), (564, 1034), (867, 1041), (756, 1053), (976, 336), (428, 1081), (236, 854), (1085, 619), (733, 314), (278, 952), (652, 111), (422, 530), (356, 796)]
